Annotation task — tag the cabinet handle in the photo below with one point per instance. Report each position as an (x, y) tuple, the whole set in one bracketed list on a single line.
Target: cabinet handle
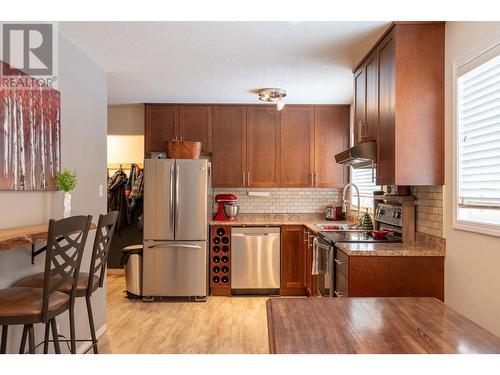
[(244, 174), (306, 235), (337, 294), (248, 178), (339, 262)]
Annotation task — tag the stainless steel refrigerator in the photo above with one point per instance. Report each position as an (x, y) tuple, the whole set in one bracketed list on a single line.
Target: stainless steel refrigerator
[(175, 228)]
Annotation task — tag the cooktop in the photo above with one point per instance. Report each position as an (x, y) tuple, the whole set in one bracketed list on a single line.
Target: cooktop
[(334, 237)]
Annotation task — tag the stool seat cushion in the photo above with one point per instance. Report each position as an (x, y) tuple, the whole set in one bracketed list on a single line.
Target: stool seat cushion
[(36, 281), (28, 302)]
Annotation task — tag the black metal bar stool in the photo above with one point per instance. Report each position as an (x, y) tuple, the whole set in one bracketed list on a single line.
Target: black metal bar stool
[(28, 306), (87, 282)]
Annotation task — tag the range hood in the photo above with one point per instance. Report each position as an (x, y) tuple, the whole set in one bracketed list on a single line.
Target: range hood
[(362, 155)]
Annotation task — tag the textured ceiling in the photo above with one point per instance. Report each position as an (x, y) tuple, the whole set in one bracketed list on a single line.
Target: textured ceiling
[(225, 62)]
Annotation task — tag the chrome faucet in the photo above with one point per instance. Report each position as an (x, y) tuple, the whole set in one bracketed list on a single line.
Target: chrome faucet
[(345, 201)]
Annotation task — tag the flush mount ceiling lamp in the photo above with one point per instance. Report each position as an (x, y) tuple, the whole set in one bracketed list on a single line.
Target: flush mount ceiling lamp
[(274, 95)]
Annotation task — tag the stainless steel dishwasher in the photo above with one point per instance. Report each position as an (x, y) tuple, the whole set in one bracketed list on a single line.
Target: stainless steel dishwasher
[(255, 260)]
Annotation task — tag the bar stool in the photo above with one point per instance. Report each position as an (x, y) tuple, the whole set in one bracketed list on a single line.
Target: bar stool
[(87, 282), (28, 306)]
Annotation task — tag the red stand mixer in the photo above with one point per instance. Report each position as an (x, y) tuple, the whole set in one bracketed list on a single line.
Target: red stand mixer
[(226, 210)]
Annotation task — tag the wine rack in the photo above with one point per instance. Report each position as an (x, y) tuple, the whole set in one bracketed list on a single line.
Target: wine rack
[(220, 260)]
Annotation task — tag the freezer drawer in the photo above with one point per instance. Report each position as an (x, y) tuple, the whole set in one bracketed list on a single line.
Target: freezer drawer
[(175, 269), (255, 258)]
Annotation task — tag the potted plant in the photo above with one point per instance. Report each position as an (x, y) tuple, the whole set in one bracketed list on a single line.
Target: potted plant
[(66, 181)]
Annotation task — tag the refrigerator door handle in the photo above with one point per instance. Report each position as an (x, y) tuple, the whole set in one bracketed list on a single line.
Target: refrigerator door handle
[(172, 198), (176, 197), (174, 245)]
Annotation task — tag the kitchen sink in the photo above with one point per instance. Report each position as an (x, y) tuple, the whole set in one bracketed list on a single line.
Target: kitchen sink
[(329, 227)]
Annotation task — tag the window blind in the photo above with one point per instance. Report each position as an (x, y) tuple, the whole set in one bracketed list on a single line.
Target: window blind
[(478, 116), (363, 180)]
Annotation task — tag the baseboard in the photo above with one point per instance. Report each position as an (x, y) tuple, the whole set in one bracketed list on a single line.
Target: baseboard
[(85, 346)]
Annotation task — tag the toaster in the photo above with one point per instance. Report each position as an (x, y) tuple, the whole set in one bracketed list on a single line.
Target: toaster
[(334, 213)]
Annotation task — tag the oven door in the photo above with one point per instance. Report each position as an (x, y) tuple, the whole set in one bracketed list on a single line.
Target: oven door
[(323, 266)]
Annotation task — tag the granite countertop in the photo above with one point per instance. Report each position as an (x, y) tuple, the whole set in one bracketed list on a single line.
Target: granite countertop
[(308, 220), (424, 246), (391, 249)]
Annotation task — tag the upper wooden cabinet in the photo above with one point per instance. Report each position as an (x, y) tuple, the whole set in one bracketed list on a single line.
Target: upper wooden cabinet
[(195, 124), (229, 146), (161, 125), (331, 136), (402, 83), (263, 147), (366, 100), (256, 145), (297, 146), (183, 121)]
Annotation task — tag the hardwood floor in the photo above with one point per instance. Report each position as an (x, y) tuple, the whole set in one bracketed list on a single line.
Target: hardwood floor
[(220, 325)]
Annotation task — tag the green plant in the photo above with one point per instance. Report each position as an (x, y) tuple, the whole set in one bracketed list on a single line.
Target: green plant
[(66, 180)]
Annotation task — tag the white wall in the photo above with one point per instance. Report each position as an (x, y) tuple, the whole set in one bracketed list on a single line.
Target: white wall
[(83, 148), (472, 263)]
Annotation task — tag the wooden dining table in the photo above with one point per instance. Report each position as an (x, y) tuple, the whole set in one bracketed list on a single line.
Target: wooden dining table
[(413, 325)]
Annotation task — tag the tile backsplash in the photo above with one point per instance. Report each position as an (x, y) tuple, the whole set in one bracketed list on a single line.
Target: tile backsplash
[(283, 200), (429, 209)]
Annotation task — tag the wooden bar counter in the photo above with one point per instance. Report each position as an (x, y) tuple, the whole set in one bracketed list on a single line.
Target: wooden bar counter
[(23, 236), (411, 325)]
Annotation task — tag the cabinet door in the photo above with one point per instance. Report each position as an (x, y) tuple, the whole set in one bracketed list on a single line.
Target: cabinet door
[(292, 260), (263, 142), (359, 103), (307, 264), (387, 98), (331, 135), (229, 146), (196, 125), (370, 128), (297, 146), (161, 126)]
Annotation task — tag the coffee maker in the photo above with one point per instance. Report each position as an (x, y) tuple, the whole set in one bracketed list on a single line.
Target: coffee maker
[(226, 209)]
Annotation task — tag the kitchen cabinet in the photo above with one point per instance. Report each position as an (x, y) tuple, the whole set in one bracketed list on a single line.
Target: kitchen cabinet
[(257, 146), (195, 124), (331, 136), (297, 146), (359, 103), (388, 276), (229, 146), (161, 125), (366, 100), (263, 147), (310, 280), (399, 101), (292, 260), (183, 121)]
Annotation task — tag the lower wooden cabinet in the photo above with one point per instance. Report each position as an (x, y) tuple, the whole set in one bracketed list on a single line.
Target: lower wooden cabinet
[(310, 280), (388, 276), (292, 260)]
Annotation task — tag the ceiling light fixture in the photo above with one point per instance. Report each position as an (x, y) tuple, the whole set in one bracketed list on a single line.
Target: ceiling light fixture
[(274, 95)]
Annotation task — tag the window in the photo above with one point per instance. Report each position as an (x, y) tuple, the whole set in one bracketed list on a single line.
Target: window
[(362, 178), (477, 168)]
